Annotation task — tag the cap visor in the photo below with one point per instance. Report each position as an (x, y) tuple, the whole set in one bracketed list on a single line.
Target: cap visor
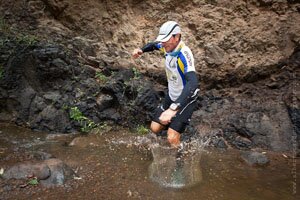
[(163, 38)]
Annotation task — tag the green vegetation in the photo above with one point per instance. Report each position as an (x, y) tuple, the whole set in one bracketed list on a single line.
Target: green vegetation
[(142, 130), (13, 34), (136, 73), (131, 83), (77, 115), (102, 128), (33, 181), (28, 40), (65, 107), (101, 77), (86, 124), (3, 26)]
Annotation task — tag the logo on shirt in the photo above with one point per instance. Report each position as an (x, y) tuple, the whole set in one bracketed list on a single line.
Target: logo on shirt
[(172, 63), (188, 57), (171, 76)]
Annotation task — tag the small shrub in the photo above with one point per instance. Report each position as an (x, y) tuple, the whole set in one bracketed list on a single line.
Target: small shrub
[(4, 26), (77, 115), (142, 130), (136, 73), (28, 40), (102, 128), (86, 124), (101, 77), (33, 181)]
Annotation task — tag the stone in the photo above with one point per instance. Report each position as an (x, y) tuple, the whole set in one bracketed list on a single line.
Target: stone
[(59, 63), (52, 119), (214, 55), (80, 142), (60, 173), (242, 142), (104, 101), (254, 158), (51, 172), (56, 7), (52, 96), (40, 155), (220, 143), (28, 169)]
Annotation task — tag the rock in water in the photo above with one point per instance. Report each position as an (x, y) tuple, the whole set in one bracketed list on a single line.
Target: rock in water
[(60, 172), (28, 169), (255, 158)]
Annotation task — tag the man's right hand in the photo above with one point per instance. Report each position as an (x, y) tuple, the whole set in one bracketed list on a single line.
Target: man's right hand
[(166, 117), (136, 53)]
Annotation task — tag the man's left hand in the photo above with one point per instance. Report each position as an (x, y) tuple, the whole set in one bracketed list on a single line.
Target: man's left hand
[(166, 116)]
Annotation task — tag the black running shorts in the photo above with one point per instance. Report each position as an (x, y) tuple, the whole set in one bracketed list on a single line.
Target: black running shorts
[(182, 117)]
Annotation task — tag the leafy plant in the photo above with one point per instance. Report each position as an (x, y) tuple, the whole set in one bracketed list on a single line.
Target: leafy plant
[(142, 130), (13, 34), (33, 181), (77, 115), (101, 77), (102, 128), (136, 73), (65, 107), (27, 39), (4, 26), (86, 124), (17, 35)]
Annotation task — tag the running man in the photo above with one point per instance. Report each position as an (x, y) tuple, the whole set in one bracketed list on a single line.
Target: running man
[(180, 102)]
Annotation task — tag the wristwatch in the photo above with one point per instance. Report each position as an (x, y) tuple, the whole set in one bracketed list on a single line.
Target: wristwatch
[(174, 106)]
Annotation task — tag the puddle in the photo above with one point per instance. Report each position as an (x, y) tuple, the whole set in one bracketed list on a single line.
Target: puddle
[(120, 165)]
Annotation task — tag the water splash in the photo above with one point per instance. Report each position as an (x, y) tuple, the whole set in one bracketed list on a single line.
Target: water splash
[(177, 168), (171, 167)]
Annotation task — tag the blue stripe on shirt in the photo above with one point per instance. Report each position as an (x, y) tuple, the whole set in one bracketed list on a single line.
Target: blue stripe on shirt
[(183, 60)]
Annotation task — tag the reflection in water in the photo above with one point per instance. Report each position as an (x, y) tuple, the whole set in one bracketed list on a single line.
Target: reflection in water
[(176, 168)]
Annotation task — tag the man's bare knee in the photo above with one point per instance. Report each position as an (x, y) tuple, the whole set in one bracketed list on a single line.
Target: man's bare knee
[(173, 137), (156, 127)]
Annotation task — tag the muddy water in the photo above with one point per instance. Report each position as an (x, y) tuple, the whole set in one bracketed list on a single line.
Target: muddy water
[(120, 165)]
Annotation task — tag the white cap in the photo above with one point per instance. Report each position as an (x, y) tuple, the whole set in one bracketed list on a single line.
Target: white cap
[(166, 31)]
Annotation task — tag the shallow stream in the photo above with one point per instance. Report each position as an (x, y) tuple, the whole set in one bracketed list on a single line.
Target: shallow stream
[(120, 164)]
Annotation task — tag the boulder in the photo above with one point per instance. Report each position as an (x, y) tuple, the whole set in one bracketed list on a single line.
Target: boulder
[(28, 169), (51, 172), (60, 172), (254, 158)]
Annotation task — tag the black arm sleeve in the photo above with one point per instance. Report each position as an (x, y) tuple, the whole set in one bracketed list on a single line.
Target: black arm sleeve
[(190, 90), (150, 47)]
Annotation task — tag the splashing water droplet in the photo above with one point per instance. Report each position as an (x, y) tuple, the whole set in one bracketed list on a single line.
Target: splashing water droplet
[(177, 168), (171, 167)]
